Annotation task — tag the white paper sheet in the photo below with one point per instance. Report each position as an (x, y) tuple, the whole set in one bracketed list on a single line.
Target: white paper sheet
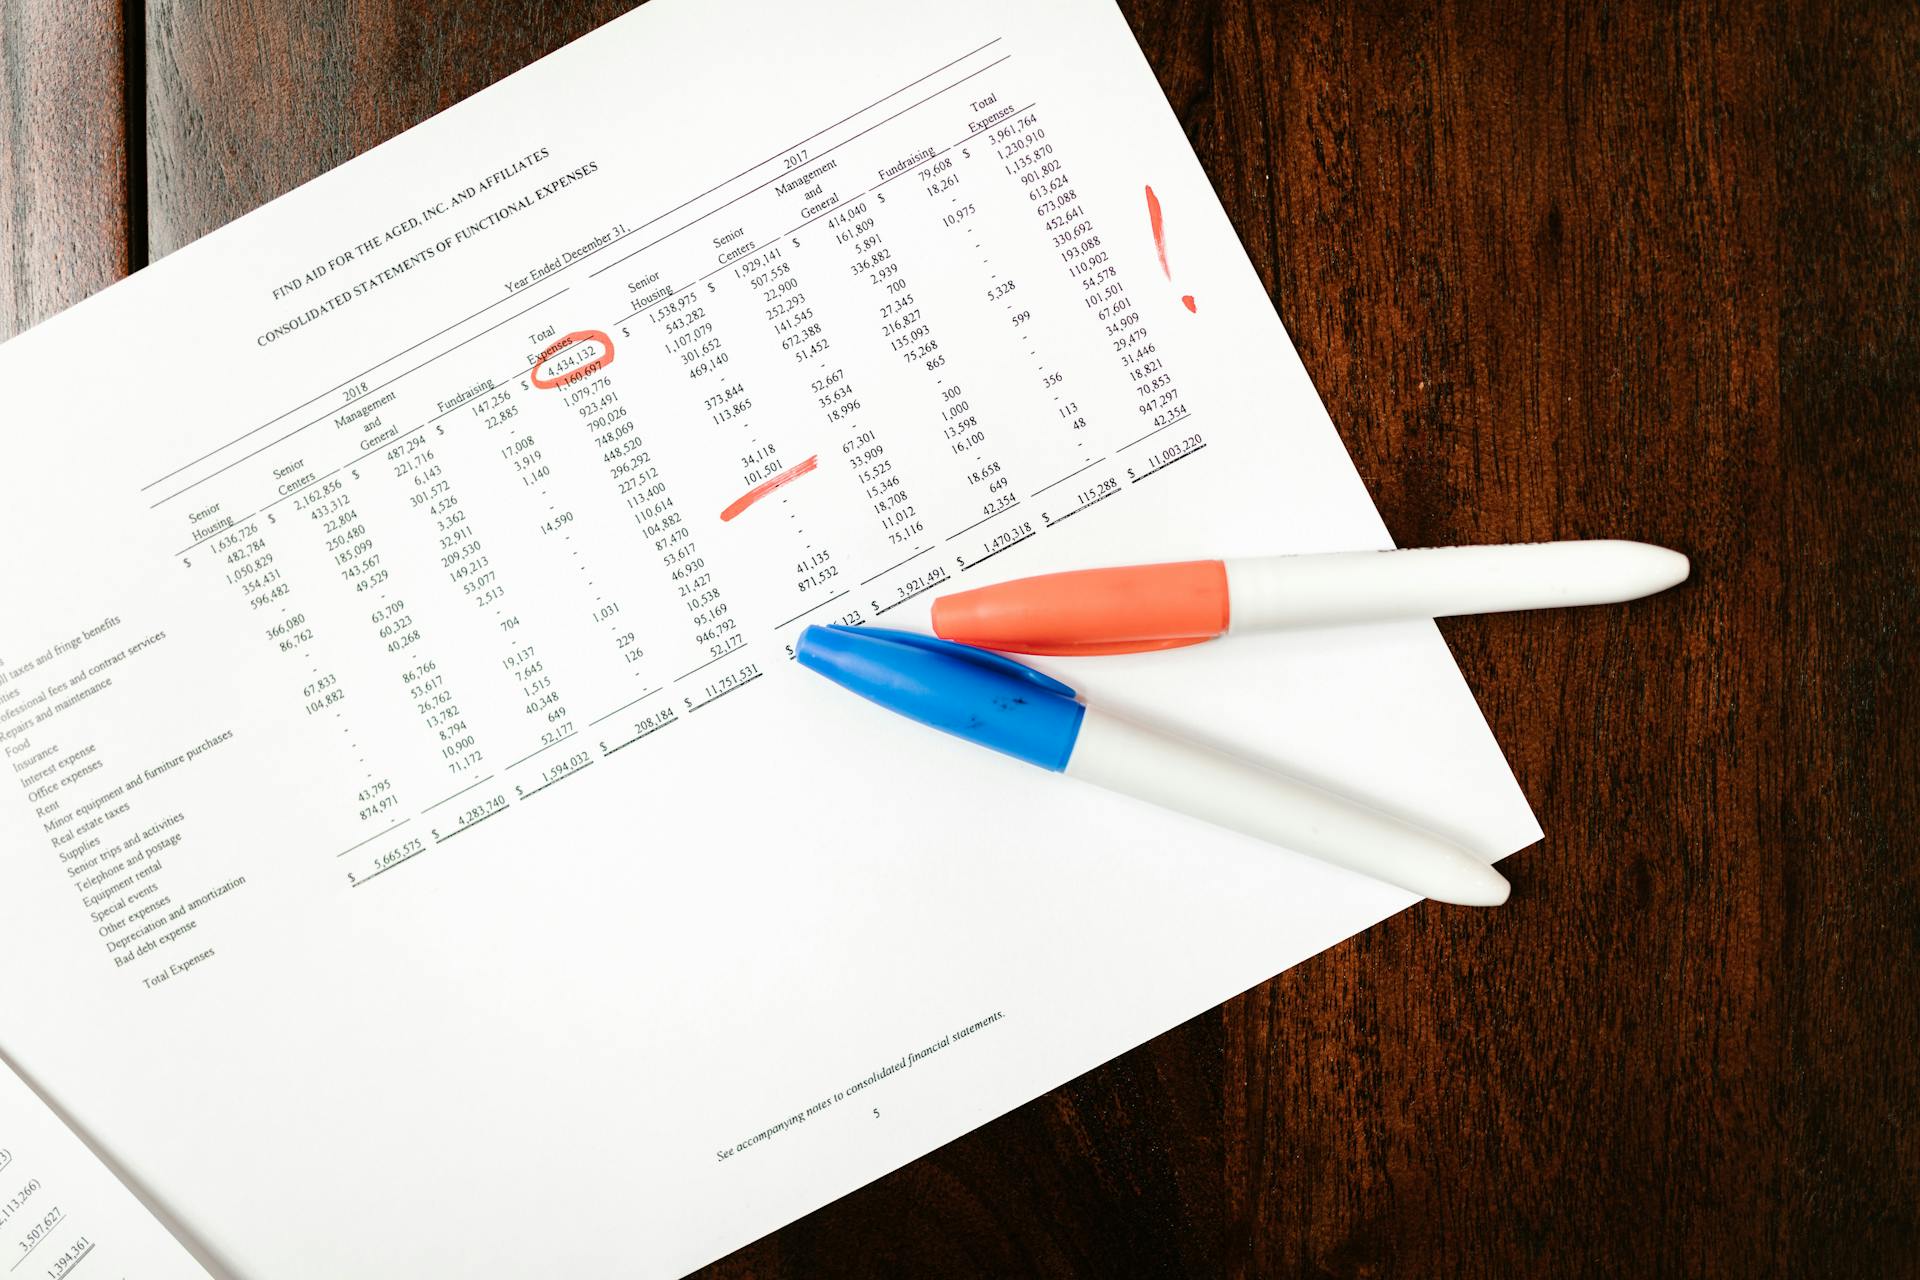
[(61, 1209), (424, 858)]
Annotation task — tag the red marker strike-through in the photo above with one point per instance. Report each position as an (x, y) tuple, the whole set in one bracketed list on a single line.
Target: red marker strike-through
[(1160, 243), (767, 486)]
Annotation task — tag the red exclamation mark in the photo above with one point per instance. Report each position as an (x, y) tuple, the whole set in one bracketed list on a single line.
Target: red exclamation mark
[(1160, 243)]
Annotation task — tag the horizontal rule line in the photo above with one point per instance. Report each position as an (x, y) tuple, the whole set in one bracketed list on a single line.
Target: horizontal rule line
[(709, 662), (550, 746), (724, 692), (456, 795), (890, 568), (1070, 475), (636, 737), (397, 862), (1185, 417), (787, 150), (459, 831), (551, 782), (344, 852), (622, 707), (816, 608), (1010, 546), (1085, 506), (1157, 468), (329, 391), (348, 408), (983, 519), (910, 595), (60, 1217)]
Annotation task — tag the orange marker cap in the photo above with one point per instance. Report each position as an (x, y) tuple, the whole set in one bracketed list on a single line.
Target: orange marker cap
[(1092, 611)]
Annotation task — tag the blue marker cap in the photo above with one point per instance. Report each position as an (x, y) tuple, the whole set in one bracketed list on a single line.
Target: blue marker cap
[(971, 693)]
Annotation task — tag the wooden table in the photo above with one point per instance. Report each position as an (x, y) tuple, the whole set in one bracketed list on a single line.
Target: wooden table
[(1640, 269)]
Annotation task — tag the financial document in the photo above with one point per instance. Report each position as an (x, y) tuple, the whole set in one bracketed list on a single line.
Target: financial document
[(419, 854), (61, 1209)]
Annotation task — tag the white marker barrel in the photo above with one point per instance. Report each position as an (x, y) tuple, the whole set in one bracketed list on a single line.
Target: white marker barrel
[(1121, 756), (1439, 582)]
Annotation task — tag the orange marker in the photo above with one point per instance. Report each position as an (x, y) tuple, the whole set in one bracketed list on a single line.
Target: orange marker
[(1165, 606)]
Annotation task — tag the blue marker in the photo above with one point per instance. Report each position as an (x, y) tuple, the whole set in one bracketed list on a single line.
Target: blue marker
[(1007, 705)]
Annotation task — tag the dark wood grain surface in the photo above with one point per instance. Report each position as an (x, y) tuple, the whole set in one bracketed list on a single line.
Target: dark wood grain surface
[(1642, 269), (65, 230)]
